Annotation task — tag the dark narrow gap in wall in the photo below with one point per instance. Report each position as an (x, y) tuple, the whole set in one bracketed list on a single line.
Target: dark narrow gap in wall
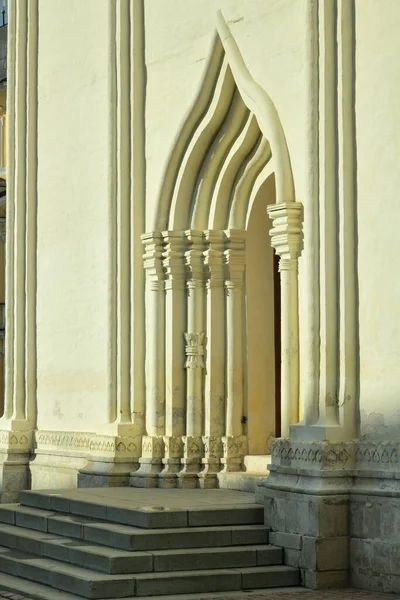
[(277, 344)]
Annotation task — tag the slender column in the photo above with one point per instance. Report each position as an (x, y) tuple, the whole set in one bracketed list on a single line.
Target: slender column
[(309, 273), (349, 353), (155, 329), (138, 203), (123, 211), (329, 267), (10, 241), (152, 442), (175, 300), (290, 335), (286, 238), (194, 364), (20, 211), (2, 309), (214, 400), (234, 441), (31, 213)]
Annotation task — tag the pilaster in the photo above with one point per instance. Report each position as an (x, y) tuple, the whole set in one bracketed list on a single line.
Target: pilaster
[(286, 239), (155, 328), (194, 364), (150, 462), (233, 441), (175, 244), (214, 394)]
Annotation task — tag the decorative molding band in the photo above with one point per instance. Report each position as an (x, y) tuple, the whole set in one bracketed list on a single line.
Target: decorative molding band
[(118, 446), (377, 455), (353, 457), (320, 456)]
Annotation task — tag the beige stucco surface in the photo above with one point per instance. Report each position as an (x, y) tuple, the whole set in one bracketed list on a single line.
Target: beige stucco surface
[(73, 222), (378, 177)]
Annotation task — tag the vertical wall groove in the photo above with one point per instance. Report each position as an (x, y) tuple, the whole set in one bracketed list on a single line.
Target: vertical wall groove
[(309, 322), (348, 206), (20, 210), (31, 208), (10, 239), (329, 324), (138, 191), (112, 216), (123, 210)]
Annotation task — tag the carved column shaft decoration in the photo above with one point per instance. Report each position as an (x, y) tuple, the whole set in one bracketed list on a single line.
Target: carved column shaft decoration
[(214, 396), (194, 357), (286, 238)]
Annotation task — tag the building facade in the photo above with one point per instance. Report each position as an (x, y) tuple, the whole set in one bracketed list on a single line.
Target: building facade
[(194, 284)]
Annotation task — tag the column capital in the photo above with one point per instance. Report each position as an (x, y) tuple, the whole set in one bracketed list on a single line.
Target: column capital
[(194, 258), (235, 256), (214, 257), (153, 255), (286, 233), (173, 259)]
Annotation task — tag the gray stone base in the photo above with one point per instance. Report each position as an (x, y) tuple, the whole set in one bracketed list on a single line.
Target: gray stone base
[(14, 475), (375, 541), (101, 472), (89, 480), (335, 510)]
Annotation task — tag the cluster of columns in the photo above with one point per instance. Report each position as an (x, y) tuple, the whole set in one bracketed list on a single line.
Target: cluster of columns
[(195, 306), (194, 356)]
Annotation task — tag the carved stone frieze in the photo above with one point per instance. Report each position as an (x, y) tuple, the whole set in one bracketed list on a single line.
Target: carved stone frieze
[(88, 442), (313, 455), (212, 447), (152, 447), (234, 451), (172, 447), (377, 455), (19, 441)]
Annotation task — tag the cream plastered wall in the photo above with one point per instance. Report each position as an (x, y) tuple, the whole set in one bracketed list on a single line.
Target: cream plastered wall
[(73, 192), (378, 155)]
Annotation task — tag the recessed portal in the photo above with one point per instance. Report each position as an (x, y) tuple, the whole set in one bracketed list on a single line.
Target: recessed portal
[(262, 319)]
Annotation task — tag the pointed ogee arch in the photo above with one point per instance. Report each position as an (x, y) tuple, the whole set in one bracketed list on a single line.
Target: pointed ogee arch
[(230, 113)]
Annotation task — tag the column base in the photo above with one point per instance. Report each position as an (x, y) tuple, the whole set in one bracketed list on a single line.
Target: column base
[(188, 476), (171, 461), (208, 477), (307, 504), (234, 451), (15, 455), (150, 464), (320, 433)]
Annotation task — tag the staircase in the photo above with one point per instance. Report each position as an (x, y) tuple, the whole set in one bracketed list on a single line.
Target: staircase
[(127, 543)]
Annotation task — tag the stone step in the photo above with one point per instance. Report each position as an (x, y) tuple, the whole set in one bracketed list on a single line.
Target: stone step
[(68, 578), (89, 584), (125, 512), (130, 538), (112, 561), (219, 580)]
